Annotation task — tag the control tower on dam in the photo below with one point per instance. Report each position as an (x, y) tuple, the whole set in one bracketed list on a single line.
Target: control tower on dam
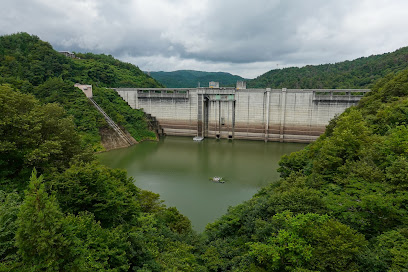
[(285, 115)]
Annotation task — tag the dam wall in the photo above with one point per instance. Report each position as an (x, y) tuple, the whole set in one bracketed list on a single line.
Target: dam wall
[(285, 115)]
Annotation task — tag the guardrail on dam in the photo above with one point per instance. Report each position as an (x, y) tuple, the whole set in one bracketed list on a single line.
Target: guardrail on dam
[(285, 115)]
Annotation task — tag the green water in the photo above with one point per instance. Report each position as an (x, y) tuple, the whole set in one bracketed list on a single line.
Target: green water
[(179, 169)]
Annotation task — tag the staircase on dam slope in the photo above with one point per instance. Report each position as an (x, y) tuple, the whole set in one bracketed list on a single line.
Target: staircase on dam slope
[(113, 125), (154, 124)]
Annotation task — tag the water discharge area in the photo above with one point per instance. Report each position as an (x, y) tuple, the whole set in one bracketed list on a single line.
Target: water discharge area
[(179, 170)]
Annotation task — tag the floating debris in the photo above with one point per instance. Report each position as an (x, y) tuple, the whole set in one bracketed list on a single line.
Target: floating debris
[(217, 179)]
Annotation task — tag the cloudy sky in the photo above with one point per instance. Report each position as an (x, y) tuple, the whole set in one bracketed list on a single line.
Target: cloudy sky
[(242, 37)]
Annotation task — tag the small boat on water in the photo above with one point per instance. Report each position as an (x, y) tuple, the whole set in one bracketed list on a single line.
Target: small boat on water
[(217, 179)]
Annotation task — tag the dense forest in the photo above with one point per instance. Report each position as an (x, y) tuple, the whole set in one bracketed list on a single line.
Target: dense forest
[(33, 66), (359, 73), (340, 204), (191, 79)]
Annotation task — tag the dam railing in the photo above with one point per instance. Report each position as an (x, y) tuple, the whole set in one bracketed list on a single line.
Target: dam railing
[(344, 95), (174, 94)]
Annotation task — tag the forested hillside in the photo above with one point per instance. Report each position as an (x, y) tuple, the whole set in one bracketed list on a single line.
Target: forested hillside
[(62, 211), (59, 209), (359, 73), (191, 79), (340, 205), (33, 66)]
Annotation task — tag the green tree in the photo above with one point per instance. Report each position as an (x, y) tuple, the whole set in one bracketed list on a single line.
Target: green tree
[(96, 248), (40, 237), (107, 193), (348, 139), (34, 135), (392, 248), (307, 241), (9, 208)]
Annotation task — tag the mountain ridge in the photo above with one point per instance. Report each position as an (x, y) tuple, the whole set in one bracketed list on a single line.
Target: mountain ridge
[(362, 72), (191, 78)]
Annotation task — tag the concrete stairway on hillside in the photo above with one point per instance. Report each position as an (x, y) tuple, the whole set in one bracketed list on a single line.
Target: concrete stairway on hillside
[(154, 124), (130, 141)]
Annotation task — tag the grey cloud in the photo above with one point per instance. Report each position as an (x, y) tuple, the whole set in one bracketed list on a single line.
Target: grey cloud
[(212, 33)]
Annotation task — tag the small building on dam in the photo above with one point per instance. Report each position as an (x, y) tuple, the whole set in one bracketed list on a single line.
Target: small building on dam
[(285, 115)]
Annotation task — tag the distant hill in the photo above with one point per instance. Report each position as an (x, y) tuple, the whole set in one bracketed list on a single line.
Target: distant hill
[(191, 78), (358, 73)]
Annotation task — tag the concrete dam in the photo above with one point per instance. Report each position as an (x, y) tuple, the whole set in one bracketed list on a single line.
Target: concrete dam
[(285, 115)]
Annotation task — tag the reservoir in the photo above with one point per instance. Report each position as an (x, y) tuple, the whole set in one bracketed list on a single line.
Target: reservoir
[(179, 170)]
